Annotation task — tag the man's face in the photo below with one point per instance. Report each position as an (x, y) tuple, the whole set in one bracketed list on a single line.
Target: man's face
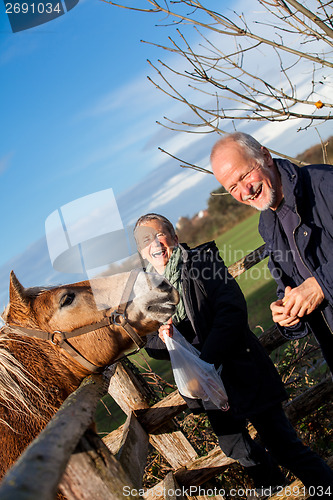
[(247, 181), (155, 243)]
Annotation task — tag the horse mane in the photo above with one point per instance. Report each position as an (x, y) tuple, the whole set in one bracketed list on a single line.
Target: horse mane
[(4, 315), (14, 377), (14, 381)]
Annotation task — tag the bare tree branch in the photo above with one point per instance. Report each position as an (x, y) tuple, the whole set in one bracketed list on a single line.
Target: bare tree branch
[(315, 19), (221, 78)]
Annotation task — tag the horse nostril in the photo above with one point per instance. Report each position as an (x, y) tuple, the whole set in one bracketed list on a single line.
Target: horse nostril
[(165, 286)]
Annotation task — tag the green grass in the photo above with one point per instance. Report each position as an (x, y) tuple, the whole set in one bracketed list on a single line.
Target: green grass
[(257, 284), (240, 240), (259, 290)]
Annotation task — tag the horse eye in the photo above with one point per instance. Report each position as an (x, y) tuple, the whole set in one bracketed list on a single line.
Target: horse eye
[(67, 299)]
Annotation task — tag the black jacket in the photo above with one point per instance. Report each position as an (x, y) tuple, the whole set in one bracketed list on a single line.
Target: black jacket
[(309, 192), (217, 311)]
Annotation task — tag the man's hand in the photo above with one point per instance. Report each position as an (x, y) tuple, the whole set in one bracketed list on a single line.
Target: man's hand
[(297, 302), (279, 315), (166, 330), (303, 299)]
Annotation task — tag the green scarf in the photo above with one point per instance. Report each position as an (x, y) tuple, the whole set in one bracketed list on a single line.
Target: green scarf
[(172, 272)]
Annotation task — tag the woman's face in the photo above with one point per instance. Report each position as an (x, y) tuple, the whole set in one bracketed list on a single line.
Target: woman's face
[(155, 243)]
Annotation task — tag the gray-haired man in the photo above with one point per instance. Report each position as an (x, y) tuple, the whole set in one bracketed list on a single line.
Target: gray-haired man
[(296, 223)]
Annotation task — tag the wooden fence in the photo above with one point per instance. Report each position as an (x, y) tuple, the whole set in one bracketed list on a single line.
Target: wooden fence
[(70, 457)]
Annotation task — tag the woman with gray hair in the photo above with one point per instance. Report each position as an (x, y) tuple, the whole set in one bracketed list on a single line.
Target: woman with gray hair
[(212, 316)]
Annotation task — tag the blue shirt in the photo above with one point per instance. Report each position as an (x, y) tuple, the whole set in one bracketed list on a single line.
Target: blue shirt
[(289, 220)]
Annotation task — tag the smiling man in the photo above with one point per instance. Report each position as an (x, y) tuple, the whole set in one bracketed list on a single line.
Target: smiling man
[(254, 181), (296, 223)]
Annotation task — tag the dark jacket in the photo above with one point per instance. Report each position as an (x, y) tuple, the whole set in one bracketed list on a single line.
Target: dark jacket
[(217, 312), (309, 192)]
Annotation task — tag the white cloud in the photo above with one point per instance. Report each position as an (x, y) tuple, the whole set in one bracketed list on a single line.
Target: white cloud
[(170, 190), (137, 95)]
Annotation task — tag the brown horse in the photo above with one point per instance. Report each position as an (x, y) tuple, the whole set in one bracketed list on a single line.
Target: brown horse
[(36, 374)]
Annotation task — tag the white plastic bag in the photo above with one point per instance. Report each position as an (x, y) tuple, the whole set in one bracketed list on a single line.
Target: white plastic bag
[(194, 377)]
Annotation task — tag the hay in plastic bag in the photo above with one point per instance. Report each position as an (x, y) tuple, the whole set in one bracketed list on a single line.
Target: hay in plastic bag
[(194, 377)]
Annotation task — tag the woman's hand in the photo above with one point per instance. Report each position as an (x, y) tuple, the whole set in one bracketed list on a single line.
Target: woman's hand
[(166, 329)]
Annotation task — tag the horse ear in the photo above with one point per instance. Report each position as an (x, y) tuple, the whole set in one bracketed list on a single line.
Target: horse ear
[(17, 297)]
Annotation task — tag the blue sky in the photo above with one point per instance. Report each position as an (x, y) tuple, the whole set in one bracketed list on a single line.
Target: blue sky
[(55, 146), (76, 113), (78, 116)]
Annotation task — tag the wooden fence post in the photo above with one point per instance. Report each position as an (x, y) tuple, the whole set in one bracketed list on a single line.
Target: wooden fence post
[(94, 473), (129, 395), (37, 473), (133, 450)]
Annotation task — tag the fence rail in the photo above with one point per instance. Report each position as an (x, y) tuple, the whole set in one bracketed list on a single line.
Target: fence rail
[(72, 458)]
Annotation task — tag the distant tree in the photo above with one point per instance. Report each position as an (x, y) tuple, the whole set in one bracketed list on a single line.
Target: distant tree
[(226, 209), (186, 230), (227, 86), (223, 212), (320, 153)]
